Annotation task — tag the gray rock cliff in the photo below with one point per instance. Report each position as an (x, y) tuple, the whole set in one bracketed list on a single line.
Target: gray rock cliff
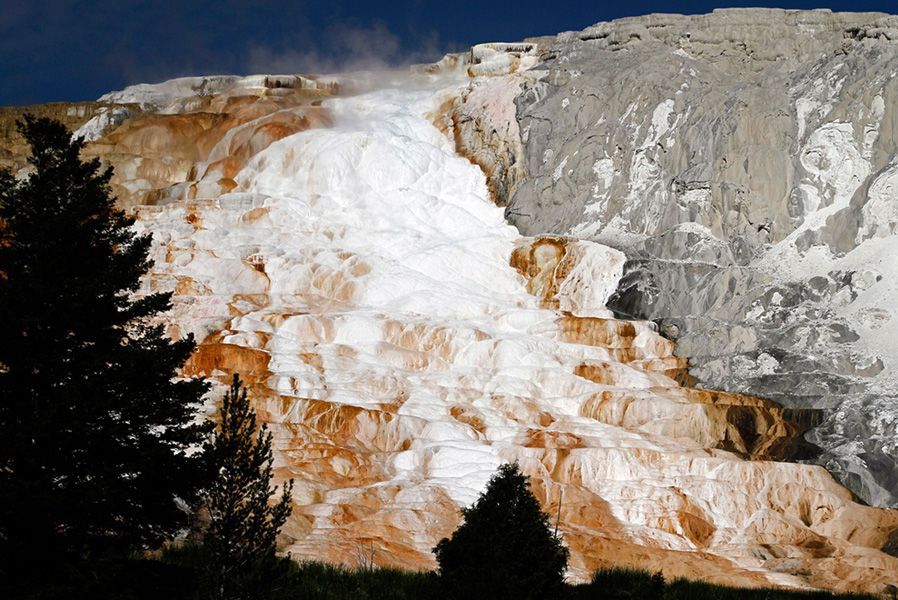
[(746, 161)]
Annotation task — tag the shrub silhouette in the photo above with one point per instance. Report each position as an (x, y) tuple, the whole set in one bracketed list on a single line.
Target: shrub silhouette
[(505, 548)]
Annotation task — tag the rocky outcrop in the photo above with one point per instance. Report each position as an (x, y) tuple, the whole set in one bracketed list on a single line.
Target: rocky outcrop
[(482, 119), (745, 162)]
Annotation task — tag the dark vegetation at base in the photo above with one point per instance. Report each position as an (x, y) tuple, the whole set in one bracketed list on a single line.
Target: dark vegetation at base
[(327, 582), (101, 579), (330, 582), (178, 576), (633, 584)]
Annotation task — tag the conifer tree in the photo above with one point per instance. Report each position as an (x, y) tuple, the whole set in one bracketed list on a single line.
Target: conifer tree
[(505, 547), (94, 432), (243, 525)]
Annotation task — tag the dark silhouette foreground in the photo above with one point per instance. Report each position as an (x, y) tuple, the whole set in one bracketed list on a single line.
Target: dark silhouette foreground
[(93, 428), (505, 548), (239, 542)]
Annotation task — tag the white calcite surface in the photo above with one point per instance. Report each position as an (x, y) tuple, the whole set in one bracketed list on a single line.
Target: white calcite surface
[(105, 119), (165, 97), (403, 340), (502, 58)]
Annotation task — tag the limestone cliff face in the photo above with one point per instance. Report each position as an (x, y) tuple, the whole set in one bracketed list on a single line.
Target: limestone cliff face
[(344, 253), (745, 161)]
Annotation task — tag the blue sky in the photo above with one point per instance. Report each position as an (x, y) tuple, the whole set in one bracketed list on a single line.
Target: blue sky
[(53, 50)]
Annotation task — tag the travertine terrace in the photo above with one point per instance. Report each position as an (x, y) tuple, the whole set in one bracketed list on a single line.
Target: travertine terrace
[(342, 246)]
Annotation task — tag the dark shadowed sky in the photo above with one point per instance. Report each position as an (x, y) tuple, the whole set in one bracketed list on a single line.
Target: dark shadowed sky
[(53, 50)]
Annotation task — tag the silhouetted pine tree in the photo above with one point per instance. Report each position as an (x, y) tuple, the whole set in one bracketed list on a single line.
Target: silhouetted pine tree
[(505, 547), (243, 528), (93, 430)]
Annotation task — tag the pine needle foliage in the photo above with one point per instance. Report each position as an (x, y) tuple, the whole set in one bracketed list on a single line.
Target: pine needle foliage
[(505, 548), (244, 525), (95, 432)]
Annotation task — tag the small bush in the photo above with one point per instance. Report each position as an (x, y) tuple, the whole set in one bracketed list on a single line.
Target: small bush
[(505, 548)]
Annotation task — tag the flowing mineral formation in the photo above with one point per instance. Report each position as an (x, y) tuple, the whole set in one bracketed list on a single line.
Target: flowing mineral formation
[(339, 244)]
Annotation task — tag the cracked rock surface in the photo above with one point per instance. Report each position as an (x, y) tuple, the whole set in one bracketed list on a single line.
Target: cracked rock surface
[(746, 163)]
